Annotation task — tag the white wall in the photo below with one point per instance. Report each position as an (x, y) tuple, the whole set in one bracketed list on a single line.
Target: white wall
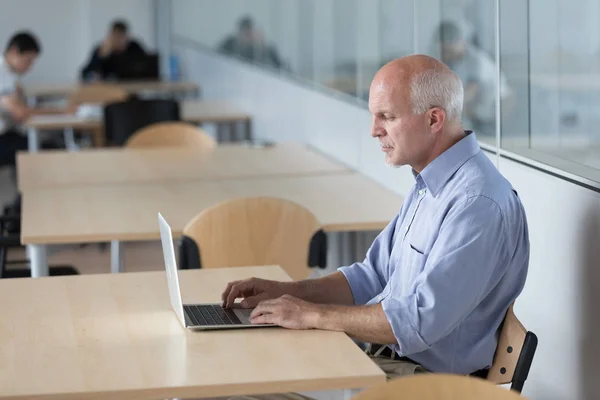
[(68, 29), (560, 299), (559, 302)]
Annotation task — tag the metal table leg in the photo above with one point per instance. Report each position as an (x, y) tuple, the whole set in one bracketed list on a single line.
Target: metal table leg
[(248, 129), (70, 144), (116, 257), (38, 258), (33, 140)]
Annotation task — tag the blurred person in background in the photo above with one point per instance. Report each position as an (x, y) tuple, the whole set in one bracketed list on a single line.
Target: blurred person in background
[(477, 71), (249, 43), (106, 57), (21, 52)]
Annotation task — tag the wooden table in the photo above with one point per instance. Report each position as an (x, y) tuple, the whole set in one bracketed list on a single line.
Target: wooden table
[(219, 112), (54, 169), (116, 336), (161, 87), (341, 202)]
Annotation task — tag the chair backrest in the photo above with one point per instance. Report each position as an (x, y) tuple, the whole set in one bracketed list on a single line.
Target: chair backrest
[(514, 353), (122, 119), (171, 134), (98, 93), (437, 387), (255, 231)]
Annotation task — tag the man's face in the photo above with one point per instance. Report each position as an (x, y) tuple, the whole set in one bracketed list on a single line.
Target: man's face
[(120, 40), (20, 63), (403, 136)]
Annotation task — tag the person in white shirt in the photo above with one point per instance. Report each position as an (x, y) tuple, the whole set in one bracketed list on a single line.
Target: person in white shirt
[(21, 53), (477, 70)]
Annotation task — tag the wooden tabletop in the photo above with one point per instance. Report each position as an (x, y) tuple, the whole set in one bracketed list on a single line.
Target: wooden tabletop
[(62, 90), (116, 336), (196, 111), (200, 111), (53, 169), (341, 202)]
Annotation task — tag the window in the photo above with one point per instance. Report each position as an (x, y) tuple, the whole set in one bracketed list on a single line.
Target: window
[(546, 78)]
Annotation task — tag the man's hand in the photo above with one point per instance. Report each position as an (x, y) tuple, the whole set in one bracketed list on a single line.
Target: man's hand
[(286, 311), (16, 108), (253, 291), (107, 46)]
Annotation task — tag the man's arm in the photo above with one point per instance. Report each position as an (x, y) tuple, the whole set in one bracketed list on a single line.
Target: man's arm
[(94, 65), (136, 48), (356, 284), (365, 323), (333, 288), (18, 110), (330, 289)]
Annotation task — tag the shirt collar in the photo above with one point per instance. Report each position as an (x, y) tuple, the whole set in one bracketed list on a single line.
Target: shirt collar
[(438, 172)]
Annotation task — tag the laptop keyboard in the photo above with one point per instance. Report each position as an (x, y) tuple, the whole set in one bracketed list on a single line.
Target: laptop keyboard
[(211, 315)]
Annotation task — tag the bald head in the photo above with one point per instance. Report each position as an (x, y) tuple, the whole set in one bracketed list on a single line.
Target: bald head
[(423, 82), (416, 103)]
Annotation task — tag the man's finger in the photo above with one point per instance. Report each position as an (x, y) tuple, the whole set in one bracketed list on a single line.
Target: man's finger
[(253, 301), (226, 292), (265, 307), (264, 319), (240, 289), (234, 293)]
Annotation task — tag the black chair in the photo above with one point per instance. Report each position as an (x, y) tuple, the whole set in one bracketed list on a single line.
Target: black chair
[(10, 239), (122, 119)]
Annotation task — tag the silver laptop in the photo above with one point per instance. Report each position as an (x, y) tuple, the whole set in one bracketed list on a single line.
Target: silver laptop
[(197, 316)]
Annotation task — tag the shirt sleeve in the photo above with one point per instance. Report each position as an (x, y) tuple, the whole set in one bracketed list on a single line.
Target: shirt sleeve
[(465, 263), (368, 278), (94, 65), (136, 48)]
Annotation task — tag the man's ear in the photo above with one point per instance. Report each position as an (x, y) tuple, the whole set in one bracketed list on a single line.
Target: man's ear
[(437, 118)]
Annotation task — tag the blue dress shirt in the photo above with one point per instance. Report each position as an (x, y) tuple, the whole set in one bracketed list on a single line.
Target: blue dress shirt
[(449, 265)]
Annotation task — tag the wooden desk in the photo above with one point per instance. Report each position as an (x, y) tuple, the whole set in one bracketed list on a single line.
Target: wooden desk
[(194, 111), (116, 336), (54, 169), (341, 203), (162, 87), (200, 111)]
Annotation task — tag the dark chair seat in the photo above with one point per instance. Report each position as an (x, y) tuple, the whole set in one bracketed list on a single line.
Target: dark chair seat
[(61, 270), (9, 239), (122, 119)]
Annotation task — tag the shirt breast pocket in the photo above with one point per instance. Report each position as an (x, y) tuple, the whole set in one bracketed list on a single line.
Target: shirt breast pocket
[(417, 249)]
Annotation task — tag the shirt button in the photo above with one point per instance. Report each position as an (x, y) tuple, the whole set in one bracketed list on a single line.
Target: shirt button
[(379, 298), (406, 227), (421, 192)]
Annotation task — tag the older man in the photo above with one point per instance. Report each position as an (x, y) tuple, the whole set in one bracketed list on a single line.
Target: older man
[(436, 283)]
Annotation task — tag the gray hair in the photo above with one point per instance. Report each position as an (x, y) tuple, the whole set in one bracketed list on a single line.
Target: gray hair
[(438, 88)]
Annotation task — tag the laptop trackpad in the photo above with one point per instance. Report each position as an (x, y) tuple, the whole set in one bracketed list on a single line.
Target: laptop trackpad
[(243, 314)]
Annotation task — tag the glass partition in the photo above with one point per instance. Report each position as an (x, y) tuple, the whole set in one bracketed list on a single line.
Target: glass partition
[(538, 99)]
